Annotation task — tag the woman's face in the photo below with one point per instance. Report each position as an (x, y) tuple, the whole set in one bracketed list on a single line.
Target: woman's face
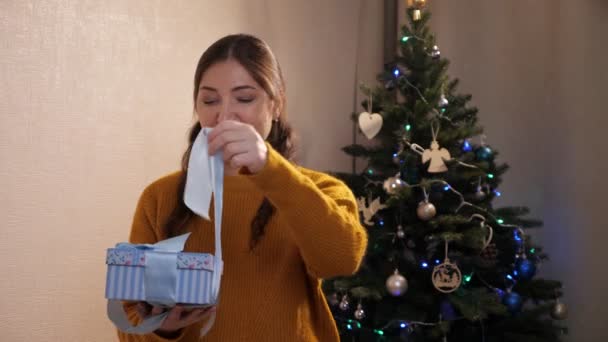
[(228, 92)]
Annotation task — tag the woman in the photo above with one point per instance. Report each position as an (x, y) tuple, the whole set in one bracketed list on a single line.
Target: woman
[(284, 227)]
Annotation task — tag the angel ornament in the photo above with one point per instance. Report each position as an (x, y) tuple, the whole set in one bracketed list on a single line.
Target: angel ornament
[(369, 210), (438, 156)]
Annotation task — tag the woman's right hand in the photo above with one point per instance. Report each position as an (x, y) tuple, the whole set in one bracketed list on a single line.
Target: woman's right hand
[(178, 318)]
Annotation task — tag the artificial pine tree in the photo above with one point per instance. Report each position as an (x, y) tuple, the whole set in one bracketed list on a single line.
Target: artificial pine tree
[(442, 263)]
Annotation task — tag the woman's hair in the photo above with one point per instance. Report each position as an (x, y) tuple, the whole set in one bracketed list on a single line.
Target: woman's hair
[(257, 58)]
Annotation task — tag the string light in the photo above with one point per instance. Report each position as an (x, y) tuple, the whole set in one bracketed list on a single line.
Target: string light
[(497, 193), (466, 146), (463, 202), (491, 175), (424, 264), (408, 127)]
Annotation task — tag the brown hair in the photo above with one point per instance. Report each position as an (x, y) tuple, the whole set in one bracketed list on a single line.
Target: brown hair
[(257, 58)]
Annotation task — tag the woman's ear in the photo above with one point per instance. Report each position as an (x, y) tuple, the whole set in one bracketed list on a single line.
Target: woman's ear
[(275, 110)]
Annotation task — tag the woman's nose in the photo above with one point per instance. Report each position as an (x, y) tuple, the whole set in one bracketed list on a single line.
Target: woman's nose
[(226, 113)]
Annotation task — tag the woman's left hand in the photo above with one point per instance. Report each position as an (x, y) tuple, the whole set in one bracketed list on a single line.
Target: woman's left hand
[(241, 143)]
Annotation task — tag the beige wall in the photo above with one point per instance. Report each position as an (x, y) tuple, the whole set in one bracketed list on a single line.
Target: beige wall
[(538, 73), (95, 103)]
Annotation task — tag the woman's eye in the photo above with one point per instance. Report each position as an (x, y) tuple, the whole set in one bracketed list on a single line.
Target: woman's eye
[(209, 102), (246, 100)]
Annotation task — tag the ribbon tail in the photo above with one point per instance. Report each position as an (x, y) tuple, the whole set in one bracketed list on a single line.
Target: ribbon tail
[(116, 313), (197, 193)]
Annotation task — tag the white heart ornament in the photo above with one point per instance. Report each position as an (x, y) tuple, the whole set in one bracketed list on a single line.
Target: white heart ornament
[(370, 124)]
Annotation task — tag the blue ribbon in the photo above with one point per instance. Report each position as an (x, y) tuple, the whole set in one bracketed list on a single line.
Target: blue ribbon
[(205, 177)]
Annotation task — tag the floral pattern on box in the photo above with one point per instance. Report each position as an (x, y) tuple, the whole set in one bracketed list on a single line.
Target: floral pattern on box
[(126, 257), (195, 261)]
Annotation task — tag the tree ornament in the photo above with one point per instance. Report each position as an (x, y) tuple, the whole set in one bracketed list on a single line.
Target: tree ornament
[(400, 232), (443, 101), (559, 311), (333, 299), (370, 124), (526, 269), (484, 153), (512, 301), (426, 210), (396, 284), (393, 184), (417, 15), (438, 156), (435, 53), (480, 195), (359, 313), (344, 304), (446, 276), (369, 210)]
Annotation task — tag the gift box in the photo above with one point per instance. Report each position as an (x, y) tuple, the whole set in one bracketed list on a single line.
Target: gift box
[(126, 275)]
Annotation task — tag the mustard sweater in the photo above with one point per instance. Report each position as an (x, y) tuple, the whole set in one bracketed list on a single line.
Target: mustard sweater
[(273, 293)]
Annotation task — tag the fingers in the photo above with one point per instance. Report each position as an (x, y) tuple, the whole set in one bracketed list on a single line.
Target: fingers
[(234, 149), (156, 310), (223, 126), (224, 138), (198, 314), (175, 314)]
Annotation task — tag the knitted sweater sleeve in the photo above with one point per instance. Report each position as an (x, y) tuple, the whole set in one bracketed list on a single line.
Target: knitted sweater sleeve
[(321, 213)]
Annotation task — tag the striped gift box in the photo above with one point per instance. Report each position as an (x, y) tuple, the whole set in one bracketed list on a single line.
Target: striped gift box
[(125, 276)]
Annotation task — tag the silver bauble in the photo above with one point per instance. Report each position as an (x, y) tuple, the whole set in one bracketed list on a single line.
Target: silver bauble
[(393, 184), (559, 311), (480, 195), (359, 313), (435, 53), (396, 284), (443, 102), (426, 210), (344, 304), (400, 232)]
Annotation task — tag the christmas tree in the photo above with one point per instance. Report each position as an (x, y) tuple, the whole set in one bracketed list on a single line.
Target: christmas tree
[(442, 263)]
